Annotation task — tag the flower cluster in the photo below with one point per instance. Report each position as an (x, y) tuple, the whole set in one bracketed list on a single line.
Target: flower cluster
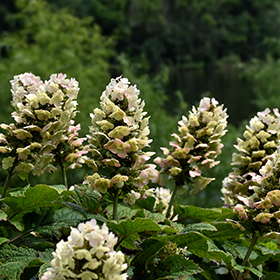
[(117, 136), (87, 254), (197, 145), (162, 196), (262, 206), (261, 140), (43, 132), (253, 189)]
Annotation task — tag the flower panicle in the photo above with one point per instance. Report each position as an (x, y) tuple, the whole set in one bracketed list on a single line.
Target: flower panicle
[(117, 137), (196, 146)]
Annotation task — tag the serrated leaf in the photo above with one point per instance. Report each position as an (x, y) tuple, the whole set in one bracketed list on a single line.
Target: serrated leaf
[(30, 199), (204, 214), (199, 227), (128, 230), (14, 260), (55, 220), (268, 248), (75, 207), (125, 211), (88, 200), (225, 230), (241, 251), (150, 249), (176, 266), (3, 216)]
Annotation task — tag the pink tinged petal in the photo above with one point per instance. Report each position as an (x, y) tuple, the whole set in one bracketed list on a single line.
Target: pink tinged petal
[(263, 204), (111, 162), (159, 161), (274, 197), (170, 161), (3, 138), (194, 159), (165, 151), (245, 200), (118, 147), (194, 173), (263, 217), (22, 134), (239, 209)]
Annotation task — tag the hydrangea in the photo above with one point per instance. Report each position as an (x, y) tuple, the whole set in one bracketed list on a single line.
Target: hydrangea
[(253, 189), (117, 136), (196, 146), (261, 140), (87, 254), (43, 134)]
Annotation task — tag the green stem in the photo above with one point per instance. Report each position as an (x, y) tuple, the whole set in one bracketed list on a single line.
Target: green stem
[(64, 176), (8, 180), (171, 201), (250, 249), (115, 206)]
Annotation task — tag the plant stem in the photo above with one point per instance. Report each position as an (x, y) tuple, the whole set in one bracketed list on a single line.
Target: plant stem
[(250, 249), (171, 201), (64, 176), (7, 182), (115, 206)]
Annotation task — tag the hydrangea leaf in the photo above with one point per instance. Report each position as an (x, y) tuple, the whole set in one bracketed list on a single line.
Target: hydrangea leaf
[(273, 276), (128, 230), (56, 220), (3, 216), (30, 199), (14, 260), (204, 214), (176, 266), (200, 227), (89, 200), (3, 240)]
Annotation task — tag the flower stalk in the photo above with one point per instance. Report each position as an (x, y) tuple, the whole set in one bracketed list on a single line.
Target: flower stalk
[(172, 199)]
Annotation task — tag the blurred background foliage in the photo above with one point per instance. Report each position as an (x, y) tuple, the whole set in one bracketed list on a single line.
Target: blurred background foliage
[(176, 51)]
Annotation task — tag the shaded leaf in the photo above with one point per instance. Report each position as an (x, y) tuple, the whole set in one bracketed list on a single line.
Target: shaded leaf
[(128, 230), (204, 214), (199, 227), (29, 199), (176, 266), (14, 260)]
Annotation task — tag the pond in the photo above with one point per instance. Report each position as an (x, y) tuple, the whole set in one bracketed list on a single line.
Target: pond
[(227, 86)]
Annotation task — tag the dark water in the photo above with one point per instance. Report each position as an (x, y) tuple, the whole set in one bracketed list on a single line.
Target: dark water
[(226, 85)]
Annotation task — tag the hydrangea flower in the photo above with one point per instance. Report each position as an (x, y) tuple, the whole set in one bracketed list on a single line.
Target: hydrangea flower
[(117, 136), (43, 134), (261, 140), (196, 146), (253, 189), (87, 254)]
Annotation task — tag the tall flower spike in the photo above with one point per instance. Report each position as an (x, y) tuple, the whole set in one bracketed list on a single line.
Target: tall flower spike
[(43, 120), (196, 146), (261, 140), (117, 136), (87, 254)]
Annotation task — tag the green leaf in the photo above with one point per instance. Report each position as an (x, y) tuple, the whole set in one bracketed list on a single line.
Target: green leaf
[(199, 227), (14, 260), (56, 220), (268, 248), (3, 240), (128, 230), (272, 276), (124, 211), (88, 200), (3, 216), (29, 199), (176, 266), (204, 214), (150, 249), (225, 230)]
